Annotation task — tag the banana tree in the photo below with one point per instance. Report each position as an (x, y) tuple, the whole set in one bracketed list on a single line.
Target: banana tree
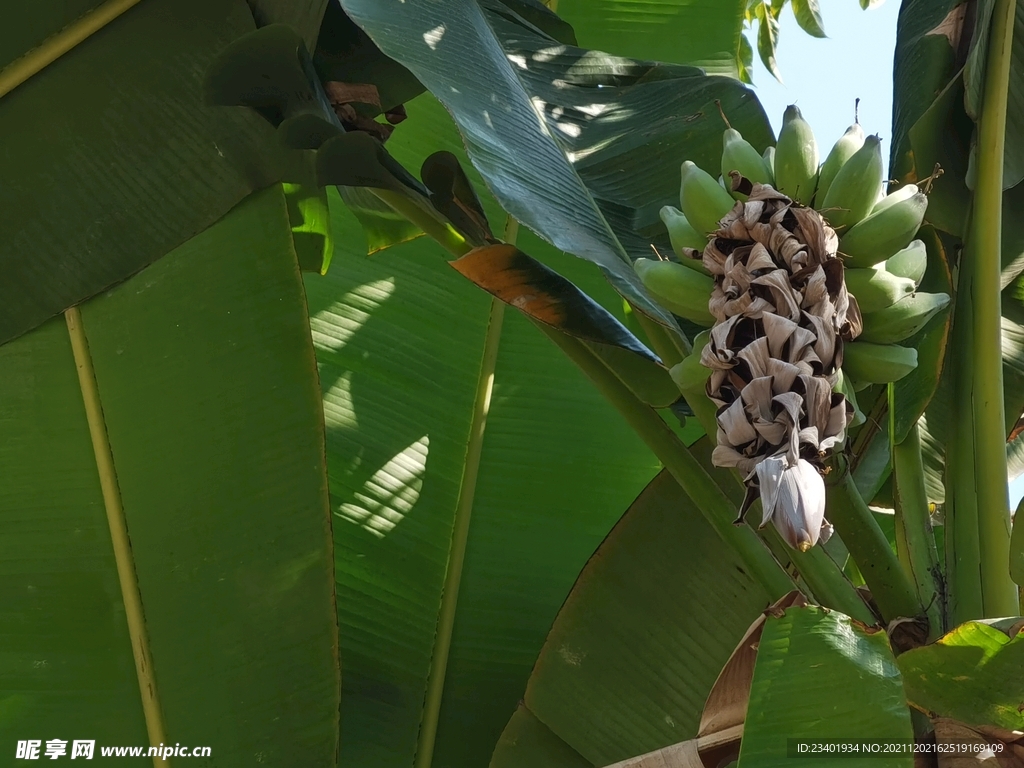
[(576, 179)]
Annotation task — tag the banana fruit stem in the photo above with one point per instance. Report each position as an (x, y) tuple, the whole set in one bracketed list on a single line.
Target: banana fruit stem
[(884, 576), (692, 478), (823, 577), (983, 252), (915, 540)]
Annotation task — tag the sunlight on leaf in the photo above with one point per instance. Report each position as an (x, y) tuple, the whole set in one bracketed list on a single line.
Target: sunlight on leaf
[(333, 327), (339, 409), (391, 493)]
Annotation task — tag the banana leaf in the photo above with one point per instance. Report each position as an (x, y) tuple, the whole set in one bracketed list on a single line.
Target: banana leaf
[(799, 650), (165, 549), (562, 176), (636, 648), (401, 338), (713, 30), (110, 172)]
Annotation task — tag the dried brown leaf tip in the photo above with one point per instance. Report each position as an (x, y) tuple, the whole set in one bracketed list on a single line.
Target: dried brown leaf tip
[(782, 314)]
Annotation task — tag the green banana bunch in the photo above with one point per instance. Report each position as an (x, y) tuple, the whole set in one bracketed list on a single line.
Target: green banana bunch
[(679, 289), (889, 227), (868, 363), (796, 158), (911, 262), (875, 289), (702, 199), (769, 160), (903, 319), (842, 151), (684, 238), (854, 190), (739, 155)]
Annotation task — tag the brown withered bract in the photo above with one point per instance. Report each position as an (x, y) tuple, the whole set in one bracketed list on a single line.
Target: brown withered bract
[(782, 313)]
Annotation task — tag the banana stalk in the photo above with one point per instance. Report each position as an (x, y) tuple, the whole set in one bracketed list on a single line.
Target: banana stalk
[(982, 400), (915, 541)]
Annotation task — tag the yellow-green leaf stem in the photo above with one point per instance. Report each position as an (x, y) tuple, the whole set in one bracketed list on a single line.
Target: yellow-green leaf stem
[(460, 530), (118, 532), (983, 261), (444, 233), (33, 62)]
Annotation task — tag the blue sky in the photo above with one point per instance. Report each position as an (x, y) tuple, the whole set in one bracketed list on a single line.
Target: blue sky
[(823, 77)]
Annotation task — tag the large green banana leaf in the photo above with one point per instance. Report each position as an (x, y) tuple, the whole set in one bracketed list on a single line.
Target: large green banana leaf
[(635, 650), (705, 33), (580, 146), (404, 345), (163, 512), (111, 158)]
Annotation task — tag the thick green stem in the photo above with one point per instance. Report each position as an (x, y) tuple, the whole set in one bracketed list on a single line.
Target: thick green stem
[(868, 546), (822, 575), (671, 347), (963, 551), (914, 529), (999, 595), (692, 478)]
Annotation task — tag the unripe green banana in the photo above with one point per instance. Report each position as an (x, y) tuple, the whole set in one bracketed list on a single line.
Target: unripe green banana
[(769, 161), (903, 319), (689, 375), (703, 200), (739, 155), (855, 188), (911, 262), (877, 363), (903, 193), (796, 158), (876, 289), (691, 378), (884, 232), (683, 235), (680, 290), (846, 387), (842, 151)]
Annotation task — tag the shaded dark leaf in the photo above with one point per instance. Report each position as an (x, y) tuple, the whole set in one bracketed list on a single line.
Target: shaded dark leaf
[(270, 71), (925, 61), (345, 53), (541, 16), (453, 195), (129, 166)]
